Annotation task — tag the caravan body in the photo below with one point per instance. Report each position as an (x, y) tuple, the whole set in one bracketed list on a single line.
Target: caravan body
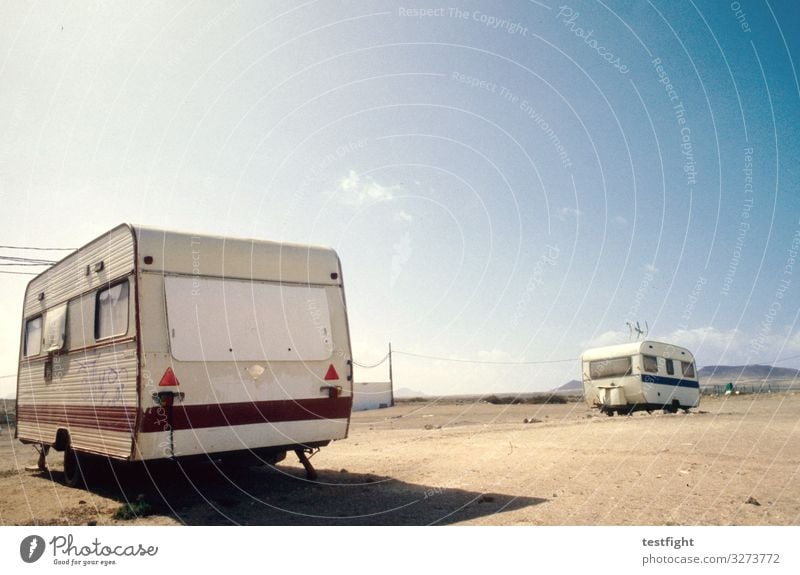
[(148, 344), (640, 375)]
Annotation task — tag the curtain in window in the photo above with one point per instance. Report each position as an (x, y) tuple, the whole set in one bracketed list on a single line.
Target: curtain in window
[(112, 311)]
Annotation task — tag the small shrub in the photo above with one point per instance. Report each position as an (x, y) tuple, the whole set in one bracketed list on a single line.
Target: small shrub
[(541, 399), (133, 510)]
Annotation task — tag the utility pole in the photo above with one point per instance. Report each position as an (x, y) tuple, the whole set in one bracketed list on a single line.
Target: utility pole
[(391, 380)]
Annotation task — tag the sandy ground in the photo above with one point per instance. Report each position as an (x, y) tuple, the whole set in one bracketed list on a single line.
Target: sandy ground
[(734, 461)]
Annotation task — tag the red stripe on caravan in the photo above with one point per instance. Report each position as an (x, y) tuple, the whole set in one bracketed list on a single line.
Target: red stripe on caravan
[(105, 418), (245, 413)]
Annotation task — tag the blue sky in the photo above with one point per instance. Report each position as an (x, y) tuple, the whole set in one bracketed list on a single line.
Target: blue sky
[(503, 182)]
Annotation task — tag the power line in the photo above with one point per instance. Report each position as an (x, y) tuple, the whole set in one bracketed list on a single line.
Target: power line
[(459, 360), (385, 357), (18, 273), (26, 260), (38, 249)]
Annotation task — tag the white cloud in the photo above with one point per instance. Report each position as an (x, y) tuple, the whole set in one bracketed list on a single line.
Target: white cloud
[(351, 182), (708, 337), (612, 337), (565, 212), (650, 268), (356, 190), (404, 216), (737, 347), (714, 346)]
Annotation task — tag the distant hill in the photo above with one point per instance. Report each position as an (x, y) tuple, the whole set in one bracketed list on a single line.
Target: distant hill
[(746, 372), (572, 386)]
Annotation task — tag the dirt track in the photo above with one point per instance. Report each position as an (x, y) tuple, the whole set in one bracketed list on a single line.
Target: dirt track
[(733, 461)]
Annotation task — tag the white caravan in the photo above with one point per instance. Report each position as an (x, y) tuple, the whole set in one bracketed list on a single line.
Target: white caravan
[(148, 344), (642, 375)]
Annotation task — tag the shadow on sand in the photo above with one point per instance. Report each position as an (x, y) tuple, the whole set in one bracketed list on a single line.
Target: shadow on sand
[(208, 494)]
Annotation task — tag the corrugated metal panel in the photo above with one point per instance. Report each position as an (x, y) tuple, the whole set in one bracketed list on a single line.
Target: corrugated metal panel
[(92, 393), (182, 253), (67, 279)]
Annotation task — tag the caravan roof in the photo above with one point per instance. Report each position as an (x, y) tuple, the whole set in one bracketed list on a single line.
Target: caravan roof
[(635, 347)]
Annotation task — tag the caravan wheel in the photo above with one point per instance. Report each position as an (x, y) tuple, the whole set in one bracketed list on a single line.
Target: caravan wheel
[(673, 408), (73, 472)]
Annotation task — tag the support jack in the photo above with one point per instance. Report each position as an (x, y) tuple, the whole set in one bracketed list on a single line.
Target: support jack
[(311, 473)]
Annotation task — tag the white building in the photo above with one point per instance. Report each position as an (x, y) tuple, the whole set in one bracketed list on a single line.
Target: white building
[(372, 395)]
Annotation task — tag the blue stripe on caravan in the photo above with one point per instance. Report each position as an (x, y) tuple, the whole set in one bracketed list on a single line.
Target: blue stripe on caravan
[(661, 380)]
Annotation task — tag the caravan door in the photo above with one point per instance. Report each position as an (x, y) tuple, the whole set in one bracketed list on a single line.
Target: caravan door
[(258, 364)]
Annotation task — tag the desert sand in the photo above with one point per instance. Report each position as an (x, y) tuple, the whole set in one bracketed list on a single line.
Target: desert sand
[(733, 461)]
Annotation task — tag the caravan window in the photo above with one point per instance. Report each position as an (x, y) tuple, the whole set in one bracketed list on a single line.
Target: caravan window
[(650, 363), (615, 367), (55, 328), (670, 367), (111, 311), (688, 369), (33, 336)]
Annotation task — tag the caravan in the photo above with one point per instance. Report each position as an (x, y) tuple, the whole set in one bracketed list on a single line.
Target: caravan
[(643, 375), (148, 344)]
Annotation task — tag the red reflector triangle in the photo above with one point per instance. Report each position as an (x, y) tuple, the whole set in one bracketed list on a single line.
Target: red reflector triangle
[(168, 379), (331, 375)]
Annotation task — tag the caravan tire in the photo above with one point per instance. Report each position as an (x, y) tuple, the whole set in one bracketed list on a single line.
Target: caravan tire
[(672, 408), (73, 470)]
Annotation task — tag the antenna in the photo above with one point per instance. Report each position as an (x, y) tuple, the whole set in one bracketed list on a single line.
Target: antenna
[(638, 329)]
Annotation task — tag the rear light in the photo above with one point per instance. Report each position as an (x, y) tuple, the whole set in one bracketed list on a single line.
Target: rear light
[(168, 379), (331, 375)]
